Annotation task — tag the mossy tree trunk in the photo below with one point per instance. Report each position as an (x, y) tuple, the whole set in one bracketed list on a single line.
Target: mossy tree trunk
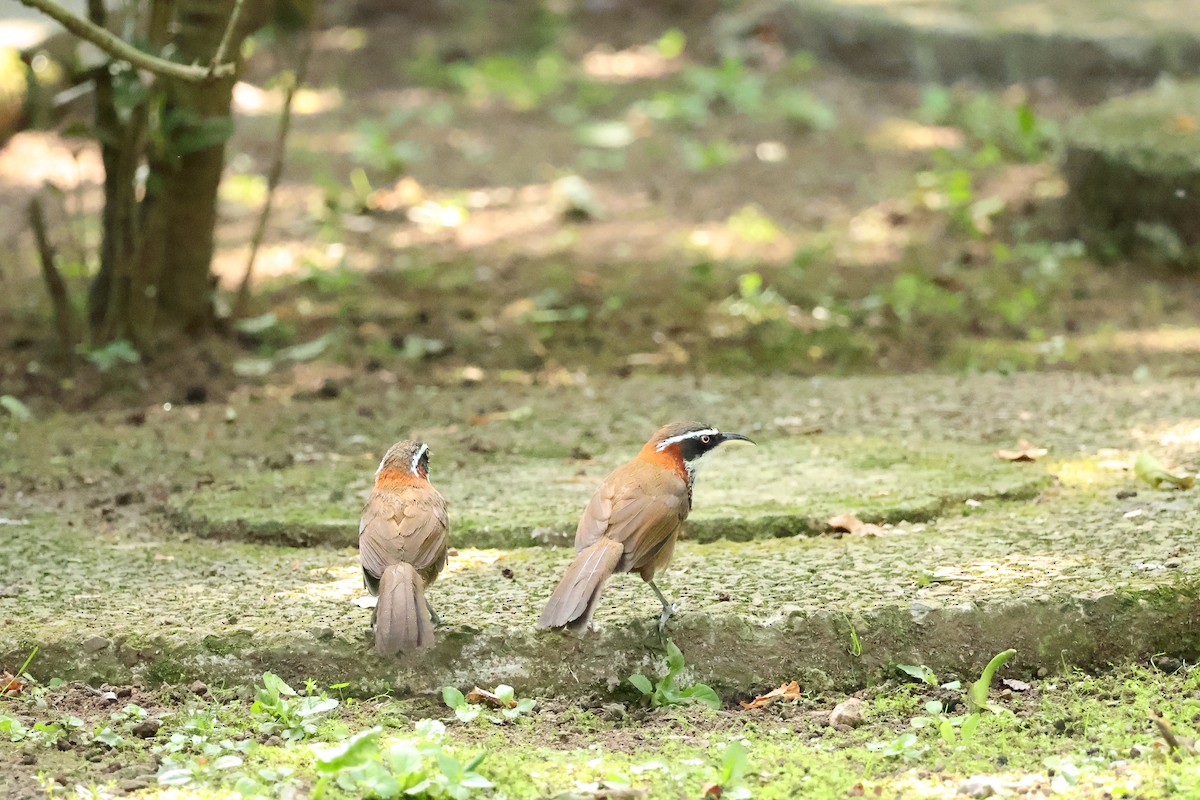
[(157, 249)]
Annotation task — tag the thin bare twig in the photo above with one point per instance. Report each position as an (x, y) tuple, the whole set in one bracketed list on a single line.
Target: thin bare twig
[(120, 49), (56, 287), (219, 56), (276, 173)]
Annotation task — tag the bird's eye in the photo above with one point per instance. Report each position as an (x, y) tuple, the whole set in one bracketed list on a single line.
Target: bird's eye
[(705, 439)]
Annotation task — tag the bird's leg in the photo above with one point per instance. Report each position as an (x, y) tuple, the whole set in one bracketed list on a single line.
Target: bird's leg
[(434, 616), (668, 609)]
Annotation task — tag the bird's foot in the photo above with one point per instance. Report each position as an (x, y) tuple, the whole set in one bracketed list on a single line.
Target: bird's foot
[(667, 613)]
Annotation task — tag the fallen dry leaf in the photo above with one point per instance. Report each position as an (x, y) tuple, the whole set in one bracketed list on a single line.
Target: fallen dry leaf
[(10, 684), (786, 691), (1016, 685), (1024, 452), (711, 790), (854, 525), (1185, 123), (478, 695)]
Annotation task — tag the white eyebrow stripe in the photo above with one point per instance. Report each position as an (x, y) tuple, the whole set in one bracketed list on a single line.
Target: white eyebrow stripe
[(665, 443), (417, 458)]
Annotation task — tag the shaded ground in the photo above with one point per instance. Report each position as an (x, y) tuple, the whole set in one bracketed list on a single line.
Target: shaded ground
[(762, 213)]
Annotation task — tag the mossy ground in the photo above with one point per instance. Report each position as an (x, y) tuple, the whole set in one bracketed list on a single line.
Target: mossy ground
[(1075, 736), (1051, 556)]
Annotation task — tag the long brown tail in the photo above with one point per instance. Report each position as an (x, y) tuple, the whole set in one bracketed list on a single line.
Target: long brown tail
[(402, 621), (574, 601)]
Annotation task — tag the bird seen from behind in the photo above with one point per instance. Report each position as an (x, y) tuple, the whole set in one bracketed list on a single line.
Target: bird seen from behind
[(402, 541), (633, 521)]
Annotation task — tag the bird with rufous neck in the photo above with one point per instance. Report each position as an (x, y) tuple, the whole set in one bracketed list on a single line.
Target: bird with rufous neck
[(633, 521), (402, 541)]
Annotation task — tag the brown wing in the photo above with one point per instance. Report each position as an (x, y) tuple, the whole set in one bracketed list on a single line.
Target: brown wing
[(640, 505), (403, 525)]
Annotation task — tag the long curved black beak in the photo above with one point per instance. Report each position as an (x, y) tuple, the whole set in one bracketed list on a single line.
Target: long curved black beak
[(735, 437)]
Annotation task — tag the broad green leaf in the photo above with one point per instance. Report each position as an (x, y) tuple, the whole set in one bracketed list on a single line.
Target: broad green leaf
[(259, 324), (921, 673), (969, 725), (674, 659), (505, 693), (642, 684), (15, 407), (453, 697), (404, 759), (701, 693), (227, 762), (354, 752), (175, 776)]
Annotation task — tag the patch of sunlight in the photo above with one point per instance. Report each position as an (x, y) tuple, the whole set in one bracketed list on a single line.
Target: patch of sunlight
[(924, 784), (1105, 468), (23, 34), (33, 158), (342, 38), (246, 190), (908, 136), (469, 559), (874, 237), (635, 63), (1185, 432), (1165, 339), (332, 583), (252, 100)]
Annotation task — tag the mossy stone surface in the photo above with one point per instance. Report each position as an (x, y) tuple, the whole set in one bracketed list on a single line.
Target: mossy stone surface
[(1133, 167), (1045, 558), (783, 487), (1090, 48)]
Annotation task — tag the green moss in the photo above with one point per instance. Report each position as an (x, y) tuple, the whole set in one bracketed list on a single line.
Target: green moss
[(501, 504)]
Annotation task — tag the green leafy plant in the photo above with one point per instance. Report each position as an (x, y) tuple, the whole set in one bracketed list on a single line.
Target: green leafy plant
[(200, 749), (411, 767), (920, 672), (666, 691), (856, 648), (509, 707), (15, 408), (730, 777), (289, 714), (110, 356), (977, 697), (904, 746)]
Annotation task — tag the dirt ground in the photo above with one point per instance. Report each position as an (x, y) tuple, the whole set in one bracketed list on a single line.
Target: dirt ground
[(770, 214)]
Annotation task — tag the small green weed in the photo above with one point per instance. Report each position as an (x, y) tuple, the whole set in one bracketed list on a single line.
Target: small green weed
[(509, 707), (667, 692), (413, 767), (108, 357), (732, 775), (289, 714)]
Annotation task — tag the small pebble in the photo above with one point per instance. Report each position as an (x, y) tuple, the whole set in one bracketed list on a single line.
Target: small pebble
[(133, 784), (28, 758), (322, 632), (1173, 563), (199, 688), (147, 728), (848, 714), (976, 787), (94, 644)]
